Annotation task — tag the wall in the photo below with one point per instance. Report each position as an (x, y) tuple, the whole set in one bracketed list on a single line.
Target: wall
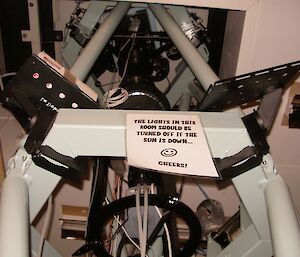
[(277, 41), (277, 38)]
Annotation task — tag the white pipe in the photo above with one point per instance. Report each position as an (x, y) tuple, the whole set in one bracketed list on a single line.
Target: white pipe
[(284, 226), (91, 52), (202, 71), (14, 218)]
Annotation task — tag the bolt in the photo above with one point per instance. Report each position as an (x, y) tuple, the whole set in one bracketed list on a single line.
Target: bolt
[(74, 105), (49, 85)]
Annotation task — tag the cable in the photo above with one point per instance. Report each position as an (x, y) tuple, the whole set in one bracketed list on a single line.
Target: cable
[(116, 71), (117, 196), (165, 226), (139, 215), (8, 74), (131, 240), (128, 40), (142, 224), (124, 230), (118, 230), (122, 95), (179, 193), (169, 86), (128, 56), (115, 97), (45, 227), (145, 221), (202, 190)]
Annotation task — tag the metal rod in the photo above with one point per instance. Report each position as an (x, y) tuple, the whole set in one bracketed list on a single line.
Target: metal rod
[(14, 218), (204, 74), (91, 52), (145, 37), (185, 101), (282, 218), (227, 225)]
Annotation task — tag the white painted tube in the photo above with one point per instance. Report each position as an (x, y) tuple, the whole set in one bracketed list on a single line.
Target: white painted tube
[(90, 53), (283, 220), (14, 218), (202, 71)]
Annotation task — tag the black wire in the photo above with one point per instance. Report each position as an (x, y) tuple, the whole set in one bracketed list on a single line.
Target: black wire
[(119, 227), (121, 245), (124, 180), (179, 193), (169, 85), (158, 228)]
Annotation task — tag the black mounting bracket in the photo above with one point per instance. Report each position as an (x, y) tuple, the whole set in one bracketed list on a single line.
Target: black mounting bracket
[(246, 88), (249, 157), (53, 36)]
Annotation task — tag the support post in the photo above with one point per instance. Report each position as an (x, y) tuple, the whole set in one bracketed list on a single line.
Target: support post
[(91, 52), (284, 226), (204, 74), (14, 217)]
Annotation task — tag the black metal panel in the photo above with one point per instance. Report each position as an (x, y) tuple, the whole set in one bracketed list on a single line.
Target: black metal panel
[(46, 26), (228, 93), (216, 30), (37, 86), (13, 19)]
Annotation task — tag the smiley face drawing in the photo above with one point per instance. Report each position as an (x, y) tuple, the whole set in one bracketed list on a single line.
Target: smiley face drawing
[(168, 152)]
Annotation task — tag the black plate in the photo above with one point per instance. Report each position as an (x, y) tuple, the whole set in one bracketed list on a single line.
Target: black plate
[(228, 93)]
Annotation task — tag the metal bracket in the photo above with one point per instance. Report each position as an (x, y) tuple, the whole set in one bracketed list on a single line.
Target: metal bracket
[(245, 160), (268, 166), (59, 164), (19, 165), (53, 36)]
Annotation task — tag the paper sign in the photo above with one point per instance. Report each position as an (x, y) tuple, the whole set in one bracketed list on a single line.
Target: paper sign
[(169, 143)]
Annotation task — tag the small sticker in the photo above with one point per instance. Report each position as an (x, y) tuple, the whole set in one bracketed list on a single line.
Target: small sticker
[(174, 143)]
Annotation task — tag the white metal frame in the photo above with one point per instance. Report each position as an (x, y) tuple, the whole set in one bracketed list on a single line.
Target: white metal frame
[(264, 196)]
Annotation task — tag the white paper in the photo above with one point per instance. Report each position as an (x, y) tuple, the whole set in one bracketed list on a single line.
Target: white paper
[(168, 143)]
